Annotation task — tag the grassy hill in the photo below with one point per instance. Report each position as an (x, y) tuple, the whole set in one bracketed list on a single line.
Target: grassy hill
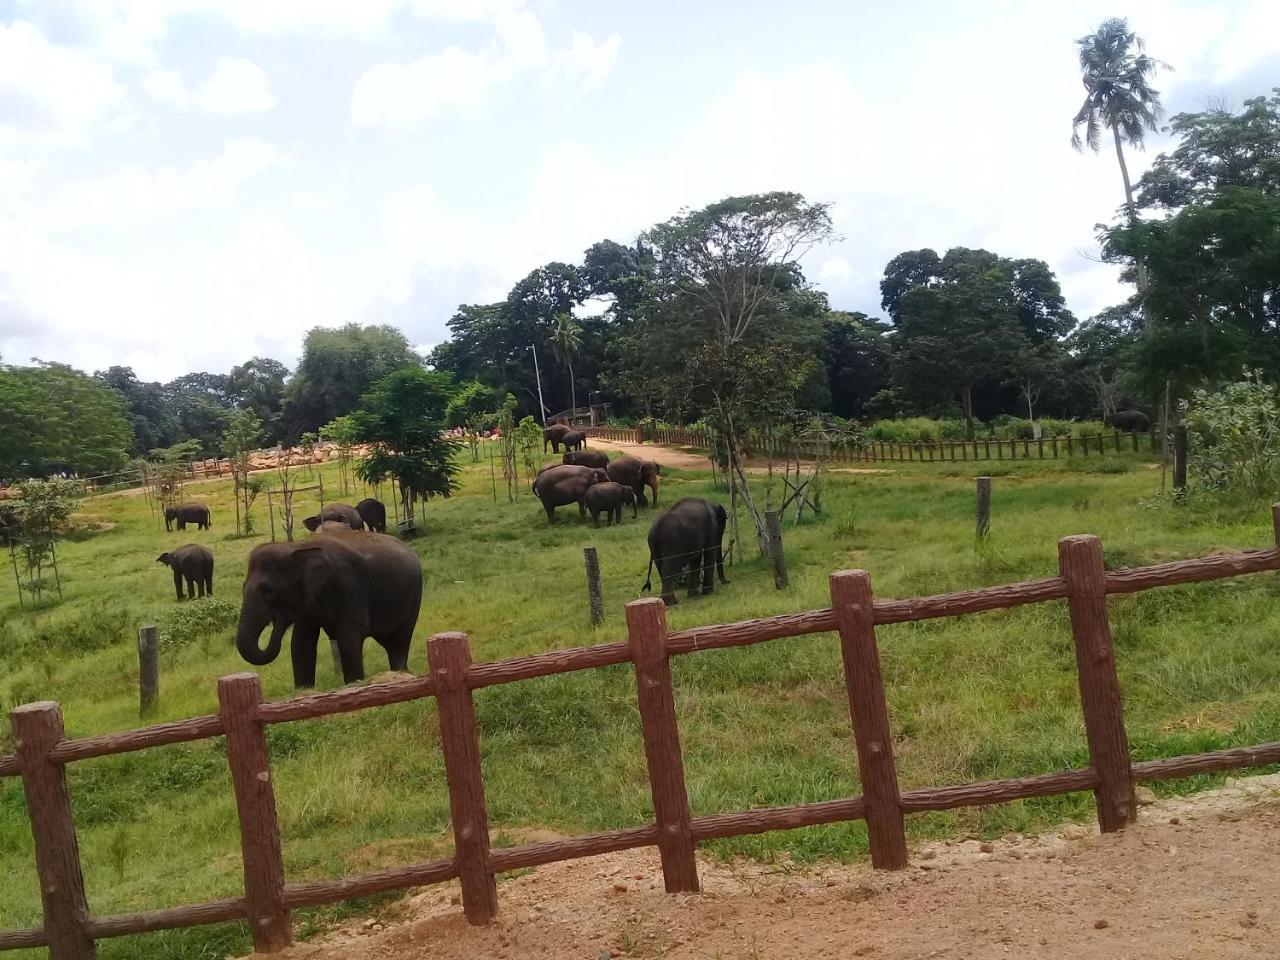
[(986, 696)]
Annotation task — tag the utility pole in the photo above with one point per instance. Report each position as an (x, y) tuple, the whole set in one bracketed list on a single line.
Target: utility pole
[(542, 407)]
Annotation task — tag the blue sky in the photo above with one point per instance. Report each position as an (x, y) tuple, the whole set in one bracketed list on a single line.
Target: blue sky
[(185, 184)]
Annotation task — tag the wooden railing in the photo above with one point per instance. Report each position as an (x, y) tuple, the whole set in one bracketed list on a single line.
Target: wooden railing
[(876, 451), (69, 929)]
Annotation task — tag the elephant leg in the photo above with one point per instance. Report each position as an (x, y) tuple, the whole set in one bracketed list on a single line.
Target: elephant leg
[(208, 584), (595, 518), (720, 563), (191, 589), (708, 571), (582, 510), (695, 569), (302, 650), (397, 646), (669, 570), (199, 586), (351, 652), (177, 582), (551, 512)]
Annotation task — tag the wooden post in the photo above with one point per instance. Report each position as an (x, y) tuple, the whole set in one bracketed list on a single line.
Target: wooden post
[(148, 670), (37, 729), (984, 506), (851, 601), (595, 593), (1080, 562), (1180, 461), (239, 696), (271, 513), (647, 639), (1070, 452), (1275, 521), (777, 560), (449, 656), (1134, 436), (1053, 442)]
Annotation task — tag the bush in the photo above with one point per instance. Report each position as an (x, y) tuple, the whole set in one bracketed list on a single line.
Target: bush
[(1234, 437), (915, 430), (190, 621)]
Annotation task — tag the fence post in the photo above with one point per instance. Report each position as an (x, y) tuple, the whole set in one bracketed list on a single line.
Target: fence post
[(647, 638), (238, 697), (851, 601), (1080, 562), (595, 593), (984, 506), (148, 670), (449, 656), (37, 729), (1180, 460), (777, 560), (1275, 522)]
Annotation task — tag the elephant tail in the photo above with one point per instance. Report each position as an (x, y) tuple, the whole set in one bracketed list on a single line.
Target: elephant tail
[(648, 577)]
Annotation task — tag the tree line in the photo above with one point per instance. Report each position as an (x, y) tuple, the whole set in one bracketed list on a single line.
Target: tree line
[(709, 317)]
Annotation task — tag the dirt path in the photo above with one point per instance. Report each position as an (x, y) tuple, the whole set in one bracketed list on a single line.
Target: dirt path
[(1196, 878), (684, 457)]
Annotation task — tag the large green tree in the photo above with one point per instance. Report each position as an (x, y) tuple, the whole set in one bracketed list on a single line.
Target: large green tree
[(403, 418), (259, 385), (55, 418), (968, 318), (1117, 75), (151, 413), (856, 356), (338, 366)]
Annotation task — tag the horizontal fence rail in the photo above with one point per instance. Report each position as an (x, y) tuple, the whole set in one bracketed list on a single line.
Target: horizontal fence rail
[(70, 931), (867, 450)]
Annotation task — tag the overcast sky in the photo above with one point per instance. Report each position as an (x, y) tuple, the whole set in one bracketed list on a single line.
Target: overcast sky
[(186, 184)]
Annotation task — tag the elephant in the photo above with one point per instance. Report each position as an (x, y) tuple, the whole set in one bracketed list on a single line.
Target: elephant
[(1129, 420), (373, 513), (637, 474), (350, 584), (586, 458), (185, 513), (560, 485), (609, 498), (335, 511), (554, 435), (689, 534), (574, 440), (192, 563)]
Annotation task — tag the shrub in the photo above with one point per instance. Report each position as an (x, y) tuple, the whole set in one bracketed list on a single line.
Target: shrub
[(190, 621), (915, 430), (1234, 437)]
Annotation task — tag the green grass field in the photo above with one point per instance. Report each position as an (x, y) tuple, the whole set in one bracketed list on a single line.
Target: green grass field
[(991, 695)]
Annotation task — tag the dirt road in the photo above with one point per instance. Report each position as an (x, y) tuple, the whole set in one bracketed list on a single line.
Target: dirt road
[(1196, 878)]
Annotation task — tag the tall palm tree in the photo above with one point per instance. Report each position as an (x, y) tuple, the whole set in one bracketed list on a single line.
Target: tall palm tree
[(1117, 75), (566, 341)]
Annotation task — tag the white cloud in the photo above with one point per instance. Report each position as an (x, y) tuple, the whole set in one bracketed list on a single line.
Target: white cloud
[(403, 95), (51, 93), (134, 196), (237, 86), (168, 87)]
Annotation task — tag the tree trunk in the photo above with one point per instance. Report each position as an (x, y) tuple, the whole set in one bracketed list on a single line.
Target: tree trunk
[(1132, 212), (966, 400), (573, 392)]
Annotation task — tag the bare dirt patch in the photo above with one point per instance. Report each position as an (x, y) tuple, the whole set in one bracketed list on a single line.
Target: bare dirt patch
[(1196, 877)]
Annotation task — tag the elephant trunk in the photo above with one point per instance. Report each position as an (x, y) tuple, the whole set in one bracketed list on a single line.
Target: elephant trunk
[(248, 632), (652, 481)]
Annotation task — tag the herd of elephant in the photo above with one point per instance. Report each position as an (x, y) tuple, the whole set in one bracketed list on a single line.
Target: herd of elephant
[(353, 581)]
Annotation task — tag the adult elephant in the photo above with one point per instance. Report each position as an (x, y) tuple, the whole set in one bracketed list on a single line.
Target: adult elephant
[(637, 474), (574, 440), (554, 435), (687, 537), (340, 512), (586, 458), (373, 513), (1129, 420), (560, 485), (351, 585), (192, 563), (185, 513)]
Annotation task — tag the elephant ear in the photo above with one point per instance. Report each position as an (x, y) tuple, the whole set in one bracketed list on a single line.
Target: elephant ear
[(311, 523), (316, 573), (164, 558)]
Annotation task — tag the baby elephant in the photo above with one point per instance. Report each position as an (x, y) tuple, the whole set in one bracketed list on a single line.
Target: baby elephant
[(609, 497), (193, 563)]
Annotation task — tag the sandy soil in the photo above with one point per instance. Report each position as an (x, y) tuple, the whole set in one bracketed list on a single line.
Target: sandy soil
[(1196, 877)]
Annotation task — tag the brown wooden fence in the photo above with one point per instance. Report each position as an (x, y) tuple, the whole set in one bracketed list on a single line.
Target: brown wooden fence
[(876, 451), (43, 752)]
